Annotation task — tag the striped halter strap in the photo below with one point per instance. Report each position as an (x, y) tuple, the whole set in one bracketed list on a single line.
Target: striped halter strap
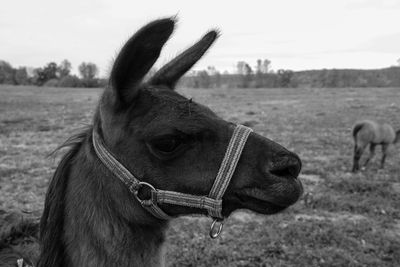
[(212, 203)]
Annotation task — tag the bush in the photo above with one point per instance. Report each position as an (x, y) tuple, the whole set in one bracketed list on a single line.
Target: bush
[(51, 83), (90, 83), (102, 83), (70, 81)]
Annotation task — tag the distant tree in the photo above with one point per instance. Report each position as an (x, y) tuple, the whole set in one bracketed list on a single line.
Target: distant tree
[(330, 78), (88, 70), (6, 73), (259, 74), (265, 66), (211, 70), (259, 66), (204, 80), (21, 76), (285, 78), (64, 69), (38, 77), (398, 62), (48, 72), (244, 72), (217, 79), (247, 76), (209, 78), (247, 70), (240, 67)]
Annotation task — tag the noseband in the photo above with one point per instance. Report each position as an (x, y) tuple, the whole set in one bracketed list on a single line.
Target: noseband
[(212, 203)]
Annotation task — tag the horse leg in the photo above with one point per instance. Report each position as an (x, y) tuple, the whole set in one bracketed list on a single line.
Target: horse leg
[(371, 153), (358, 150), (384, 151)]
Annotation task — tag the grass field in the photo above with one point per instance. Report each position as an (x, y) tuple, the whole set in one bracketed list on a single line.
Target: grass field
[(351, 219)]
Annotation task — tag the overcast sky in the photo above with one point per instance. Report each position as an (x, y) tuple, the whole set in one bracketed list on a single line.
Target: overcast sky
[(293, 34)]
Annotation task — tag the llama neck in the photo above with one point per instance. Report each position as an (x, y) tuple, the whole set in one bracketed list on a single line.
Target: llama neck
[(104, 225)]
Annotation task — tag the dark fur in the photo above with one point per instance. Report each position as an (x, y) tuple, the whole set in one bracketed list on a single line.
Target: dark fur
[(52, 245), (92, 219), (19, 234)]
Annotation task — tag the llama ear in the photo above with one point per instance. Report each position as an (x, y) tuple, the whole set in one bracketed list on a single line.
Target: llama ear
[(170, 73), (137, 57)]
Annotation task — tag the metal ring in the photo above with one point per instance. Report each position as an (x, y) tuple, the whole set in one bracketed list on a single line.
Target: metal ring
[(214, 232), (143, 202)]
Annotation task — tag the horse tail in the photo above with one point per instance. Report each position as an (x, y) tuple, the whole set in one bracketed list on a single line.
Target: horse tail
[(358, 145), (397, 138), (356, 129)]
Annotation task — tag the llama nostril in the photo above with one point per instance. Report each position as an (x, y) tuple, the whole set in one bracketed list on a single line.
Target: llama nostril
[(287, 166)]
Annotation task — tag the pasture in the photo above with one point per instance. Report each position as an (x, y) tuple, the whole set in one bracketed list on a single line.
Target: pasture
[(350, 220)]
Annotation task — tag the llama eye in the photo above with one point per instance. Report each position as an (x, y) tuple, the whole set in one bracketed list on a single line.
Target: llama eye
[(166, 144)]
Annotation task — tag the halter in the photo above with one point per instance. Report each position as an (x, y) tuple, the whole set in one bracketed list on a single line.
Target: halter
[(212, 203)]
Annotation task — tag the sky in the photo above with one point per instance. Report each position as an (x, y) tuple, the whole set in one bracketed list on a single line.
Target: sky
[(292, 34)]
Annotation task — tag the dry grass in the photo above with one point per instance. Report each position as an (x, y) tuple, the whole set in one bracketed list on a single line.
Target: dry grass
[(350, 220)]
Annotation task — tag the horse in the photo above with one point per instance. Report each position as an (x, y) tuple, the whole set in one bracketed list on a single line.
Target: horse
[(368, 132), (151, 155)]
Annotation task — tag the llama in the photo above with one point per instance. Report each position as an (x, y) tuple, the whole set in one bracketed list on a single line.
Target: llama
[(151, 155), (371, 133)]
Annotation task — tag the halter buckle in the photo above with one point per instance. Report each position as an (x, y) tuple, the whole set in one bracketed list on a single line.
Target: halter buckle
[(216, 228), (143, 202)]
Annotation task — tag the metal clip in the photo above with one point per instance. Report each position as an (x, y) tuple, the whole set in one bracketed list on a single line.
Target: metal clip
[(144, 202), (216, 228)]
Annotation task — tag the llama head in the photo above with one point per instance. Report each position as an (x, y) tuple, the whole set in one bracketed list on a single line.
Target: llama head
[(176, 144)]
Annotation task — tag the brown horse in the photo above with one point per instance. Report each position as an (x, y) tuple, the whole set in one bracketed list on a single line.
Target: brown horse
[(170, 144), (372, 133)]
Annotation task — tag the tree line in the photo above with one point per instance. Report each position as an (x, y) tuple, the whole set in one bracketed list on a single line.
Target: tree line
[(51, 75), (245, 76), (261, 76)]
